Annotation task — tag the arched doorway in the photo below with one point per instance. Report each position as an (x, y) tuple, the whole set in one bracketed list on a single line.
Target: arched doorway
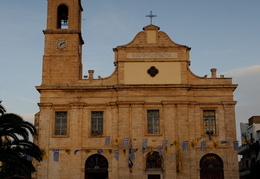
[(154, 168), (211, 167), (96, 167)]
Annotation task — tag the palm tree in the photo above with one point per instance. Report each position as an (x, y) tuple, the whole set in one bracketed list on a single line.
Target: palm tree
[(15, 146)]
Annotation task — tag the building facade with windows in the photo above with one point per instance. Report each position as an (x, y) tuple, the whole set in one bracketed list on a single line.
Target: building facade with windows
[(151, 119), (250, 149)]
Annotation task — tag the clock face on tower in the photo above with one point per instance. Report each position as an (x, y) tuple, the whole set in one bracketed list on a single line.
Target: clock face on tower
[(61, 44)]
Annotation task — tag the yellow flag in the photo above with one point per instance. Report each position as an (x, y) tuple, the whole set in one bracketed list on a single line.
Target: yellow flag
[(175, 143), (44, 154), (116, 141), (166, 148), (178, 161), (87, 151), (192, 145), (151, 151), (110, 151), (68, 151), (154, 140), (215, 145)]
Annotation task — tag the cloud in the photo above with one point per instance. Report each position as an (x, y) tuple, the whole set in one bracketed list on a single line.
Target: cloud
[(244, 72), (28, 117), (246, 94)]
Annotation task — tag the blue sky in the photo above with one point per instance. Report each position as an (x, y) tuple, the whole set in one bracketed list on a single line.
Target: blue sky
[(222, 34)]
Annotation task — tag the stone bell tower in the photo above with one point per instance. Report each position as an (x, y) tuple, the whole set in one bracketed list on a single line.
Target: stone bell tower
[(63, 42)]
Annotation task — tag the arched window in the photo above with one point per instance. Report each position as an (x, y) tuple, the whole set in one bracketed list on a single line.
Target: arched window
[(63, 17), (153, 161)]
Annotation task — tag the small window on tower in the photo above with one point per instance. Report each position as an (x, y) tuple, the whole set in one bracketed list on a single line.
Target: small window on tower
[(63, 17)]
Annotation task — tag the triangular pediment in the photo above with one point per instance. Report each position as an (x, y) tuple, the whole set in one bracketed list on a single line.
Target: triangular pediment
[(152, 37)]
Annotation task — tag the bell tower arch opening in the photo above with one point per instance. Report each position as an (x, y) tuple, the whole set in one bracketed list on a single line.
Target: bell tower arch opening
[(63, 17)]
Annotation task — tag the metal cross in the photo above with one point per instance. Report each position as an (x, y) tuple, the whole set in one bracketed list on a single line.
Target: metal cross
[(151, 16)]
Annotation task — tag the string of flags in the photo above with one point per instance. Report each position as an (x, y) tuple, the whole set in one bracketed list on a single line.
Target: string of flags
[(184, 146)]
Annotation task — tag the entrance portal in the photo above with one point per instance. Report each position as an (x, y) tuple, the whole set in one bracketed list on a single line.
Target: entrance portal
[(96, 167), (211, 167)]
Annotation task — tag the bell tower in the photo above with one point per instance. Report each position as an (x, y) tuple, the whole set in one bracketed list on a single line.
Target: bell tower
[(63, 42)]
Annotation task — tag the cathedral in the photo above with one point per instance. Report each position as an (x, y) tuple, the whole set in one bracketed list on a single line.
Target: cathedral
[(152, 118)]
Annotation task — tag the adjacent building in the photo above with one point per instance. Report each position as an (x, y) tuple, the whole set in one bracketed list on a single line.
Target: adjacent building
[(249, 164), (151, 119)]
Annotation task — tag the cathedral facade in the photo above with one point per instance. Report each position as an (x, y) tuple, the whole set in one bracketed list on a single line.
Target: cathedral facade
[(151, 119)]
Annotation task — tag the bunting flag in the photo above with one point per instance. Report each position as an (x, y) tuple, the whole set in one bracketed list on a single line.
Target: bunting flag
[(125, 143), (215, 145), (145, 141), (56, 155), (116, 141), (184, 145), (87, 151), (165, 142), (245, 141), (151, 151), (198, 139), (131, 157), (192, 145), (44, 154), (178, 161), (203, 145), (116, 154), (174, 144), (235, 144), (166, 148), (100, 151), (75, 151), (68, 151), (223, 142), (159, 150), (110, 151), (107, 141)]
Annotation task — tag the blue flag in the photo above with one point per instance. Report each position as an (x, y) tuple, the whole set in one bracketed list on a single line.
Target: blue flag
[(165, 142), (56, 155), (145, 141), (125, 143), (116, 154), (75, 152), (107, 142), (159, 150), (203, 145), (235, 144)]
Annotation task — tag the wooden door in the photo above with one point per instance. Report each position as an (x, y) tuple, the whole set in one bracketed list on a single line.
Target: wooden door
[(211, 167)]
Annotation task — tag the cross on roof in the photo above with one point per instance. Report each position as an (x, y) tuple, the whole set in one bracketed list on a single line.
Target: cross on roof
[(151, 16)]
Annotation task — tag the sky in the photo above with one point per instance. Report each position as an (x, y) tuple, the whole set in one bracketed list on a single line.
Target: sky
[(222, 34)]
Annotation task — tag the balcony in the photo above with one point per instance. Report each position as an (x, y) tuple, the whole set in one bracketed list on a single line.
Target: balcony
[(243, 149)]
